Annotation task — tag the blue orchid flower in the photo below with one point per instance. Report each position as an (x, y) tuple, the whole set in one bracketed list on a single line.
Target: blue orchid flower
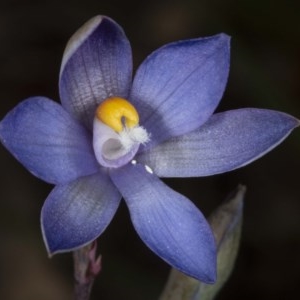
[(112, 137)]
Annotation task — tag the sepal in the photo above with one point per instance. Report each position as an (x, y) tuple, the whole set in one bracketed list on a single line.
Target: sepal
[(226, 223)]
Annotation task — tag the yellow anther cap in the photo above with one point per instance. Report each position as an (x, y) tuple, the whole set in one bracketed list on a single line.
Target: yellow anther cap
[(116, 112)]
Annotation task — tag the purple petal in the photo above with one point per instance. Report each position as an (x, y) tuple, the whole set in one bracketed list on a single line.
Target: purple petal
[(168, 223), (97, 64), (48, 141), (227, 141), (76, 213), (178, 87)]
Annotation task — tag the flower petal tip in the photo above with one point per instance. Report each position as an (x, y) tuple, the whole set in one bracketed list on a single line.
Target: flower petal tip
[(202, 267), (224, 37), (207, 273), (76, 213), (56, 249), (211, 278), (223, 40), (54, 246), (79, 37)]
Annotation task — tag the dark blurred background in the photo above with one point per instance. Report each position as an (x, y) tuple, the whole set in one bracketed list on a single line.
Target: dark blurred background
[(265, 72)]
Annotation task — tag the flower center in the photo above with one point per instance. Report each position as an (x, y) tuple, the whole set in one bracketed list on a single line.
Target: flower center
[(116, 112), (117, 134)]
